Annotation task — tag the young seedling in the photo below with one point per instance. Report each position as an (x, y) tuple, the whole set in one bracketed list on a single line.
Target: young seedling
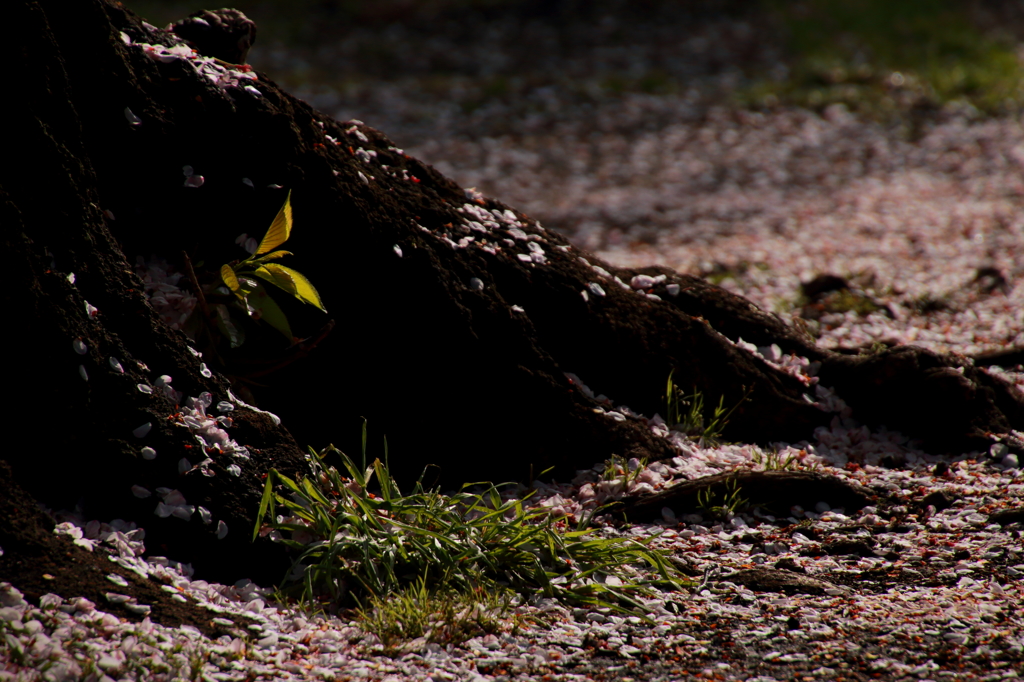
[(243, 277)]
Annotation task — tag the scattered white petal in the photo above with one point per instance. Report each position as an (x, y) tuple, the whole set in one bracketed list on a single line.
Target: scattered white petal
[(672, 289), (205, 371), (476, 284), (222, 530), (132, 118), (247, 181), (184, 466), (205, 515), (91, 310), (117, 598), (253, 91), (140, 492), (183, 512), (194, 181), (172, 497), (116, 365), (79, 346), (642, 282), (398, 250), (234, 470), (596, 288), (141, 431), (517, 309), (82, 373), (117, 580), (148, 453), (145, 388), (71, 277)]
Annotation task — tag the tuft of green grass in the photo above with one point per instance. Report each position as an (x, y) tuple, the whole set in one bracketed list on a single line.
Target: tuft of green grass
[(773, 461), (838, 301), (357, 546), (686, 413), (888, 58), (439, 616), (722, 505), (618, 467)]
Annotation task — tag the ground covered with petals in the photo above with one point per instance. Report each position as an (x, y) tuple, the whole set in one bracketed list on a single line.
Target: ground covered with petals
[(924, 236)]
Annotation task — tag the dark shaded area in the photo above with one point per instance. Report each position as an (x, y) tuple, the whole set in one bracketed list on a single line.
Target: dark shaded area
[(38, 562), (226, 34), (74, 442)]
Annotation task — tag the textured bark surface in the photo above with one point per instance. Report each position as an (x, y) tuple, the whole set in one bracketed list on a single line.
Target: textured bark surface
[(453, 375), (775, 580), (773, 491)]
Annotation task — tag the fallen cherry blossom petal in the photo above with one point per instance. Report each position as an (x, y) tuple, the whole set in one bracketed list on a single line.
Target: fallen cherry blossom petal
[(117, 580), (183, 512)]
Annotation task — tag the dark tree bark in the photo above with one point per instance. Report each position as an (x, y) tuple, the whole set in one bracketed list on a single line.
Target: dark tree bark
[(466, 377), (773, 491)]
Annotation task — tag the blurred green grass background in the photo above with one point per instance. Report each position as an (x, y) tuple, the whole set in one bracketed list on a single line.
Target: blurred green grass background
[(884, 59)]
